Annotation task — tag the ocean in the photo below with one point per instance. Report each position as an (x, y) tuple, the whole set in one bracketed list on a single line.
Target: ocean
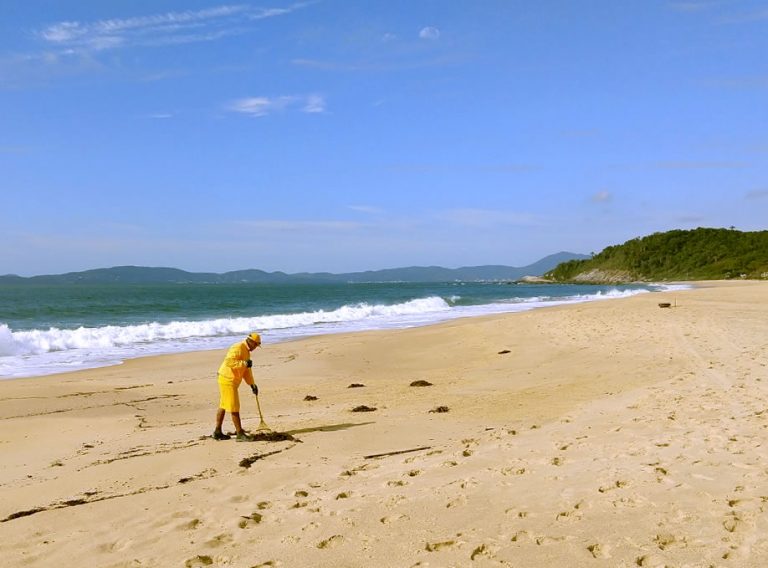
[(53, 329)]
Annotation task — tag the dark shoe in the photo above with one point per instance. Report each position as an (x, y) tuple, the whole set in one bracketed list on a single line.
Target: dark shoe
[(221, 436), (244, 437)]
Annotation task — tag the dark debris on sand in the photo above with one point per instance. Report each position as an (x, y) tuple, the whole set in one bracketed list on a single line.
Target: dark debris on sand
[(273, 437), (363, 408), (356, 386), (310, 397), (421, 384), (440, 409)]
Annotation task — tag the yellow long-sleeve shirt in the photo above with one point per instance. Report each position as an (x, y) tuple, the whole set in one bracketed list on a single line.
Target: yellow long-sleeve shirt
[(234, 367)]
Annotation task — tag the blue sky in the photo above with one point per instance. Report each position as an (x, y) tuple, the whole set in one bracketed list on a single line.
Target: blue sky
[(339, 136)]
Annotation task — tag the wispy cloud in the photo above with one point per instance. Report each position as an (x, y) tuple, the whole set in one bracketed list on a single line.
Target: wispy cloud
[(757, 194), (459, 167), (264, 106), (693, 6), (159, 29), (365, 209), (602, 197), (745, 18), (314, 104), (13, 149), (686, 165), (429, 33), (710, 6)]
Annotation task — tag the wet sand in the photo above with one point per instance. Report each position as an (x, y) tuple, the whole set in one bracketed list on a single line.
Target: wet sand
[(614, 433)]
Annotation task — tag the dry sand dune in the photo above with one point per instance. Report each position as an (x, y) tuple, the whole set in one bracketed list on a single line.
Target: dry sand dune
[(613, 433)]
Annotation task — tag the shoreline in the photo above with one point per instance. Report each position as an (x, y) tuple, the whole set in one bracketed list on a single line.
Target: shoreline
[(603, 433), (555, 303)]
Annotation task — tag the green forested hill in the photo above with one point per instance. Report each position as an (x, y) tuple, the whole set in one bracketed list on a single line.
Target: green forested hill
[(700, 254)]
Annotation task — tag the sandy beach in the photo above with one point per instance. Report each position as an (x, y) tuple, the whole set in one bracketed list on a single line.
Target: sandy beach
[(611, 433)]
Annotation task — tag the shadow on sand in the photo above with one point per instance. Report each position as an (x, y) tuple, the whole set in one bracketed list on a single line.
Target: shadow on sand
[(329, 428)]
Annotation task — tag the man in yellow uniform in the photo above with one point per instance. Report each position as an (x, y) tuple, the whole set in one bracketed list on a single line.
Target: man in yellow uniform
[(236, 367)]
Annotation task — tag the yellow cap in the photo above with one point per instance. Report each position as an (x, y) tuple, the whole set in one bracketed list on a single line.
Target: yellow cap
[(255, 337)]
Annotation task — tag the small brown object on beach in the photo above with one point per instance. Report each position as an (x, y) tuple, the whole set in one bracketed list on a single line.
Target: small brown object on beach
[(421, 384), (440, 409), (665, 305), (310, 397), (272, 437), (355, 386), (363, 408)]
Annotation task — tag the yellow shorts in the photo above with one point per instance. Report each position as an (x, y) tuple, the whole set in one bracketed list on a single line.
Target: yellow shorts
[(228, 398)]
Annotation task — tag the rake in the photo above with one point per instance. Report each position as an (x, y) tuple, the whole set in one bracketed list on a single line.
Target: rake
[(262, 425)]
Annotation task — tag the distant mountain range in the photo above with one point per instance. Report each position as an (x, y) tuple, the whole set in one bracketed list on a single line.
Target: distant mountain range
[(155, 275)]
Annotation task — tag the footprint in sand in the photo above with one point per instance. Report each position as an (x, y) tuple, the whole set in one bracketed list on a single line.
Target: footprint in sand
[(666, 540), (483, 550), (116, 546), (393, 518), (220, 540), (330, 542), (458, 502), (732, 523), (598, 551), (251, 520), (513, 471), (189, 525), (435, 546), (238, 499), (199, 562)]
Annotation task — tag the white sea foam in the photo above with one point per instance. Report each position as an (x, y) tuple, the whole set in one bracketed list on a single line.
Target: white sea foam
[(36, 342), (45, 351)]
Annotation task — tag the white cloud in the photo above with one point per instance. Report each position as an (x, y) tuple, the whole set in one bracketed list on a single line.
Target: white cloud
[(365, 209), (602, 197), (429, 33), (314, 104), (263, 106), (160, 29), (258, 106)]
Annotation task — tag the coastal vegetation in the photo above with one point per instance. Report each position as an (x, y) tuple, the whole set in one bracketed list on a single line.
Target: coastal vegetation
[(698, 254)]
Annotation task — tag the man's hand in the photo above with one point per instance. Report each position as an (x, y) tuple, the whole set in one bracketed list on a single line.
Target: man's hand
[(249, 363), (255, 389)]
